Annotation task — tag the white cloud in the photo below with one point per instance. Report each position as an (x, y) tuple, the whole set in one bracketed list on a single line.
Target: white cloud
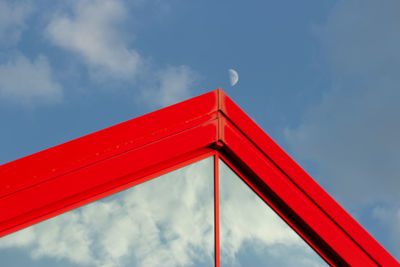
[(93, 32), (28, 83), (249, 225), (173, 84), (12, 20), (19, 239), (164, 222), (353, 134), (23, 81)]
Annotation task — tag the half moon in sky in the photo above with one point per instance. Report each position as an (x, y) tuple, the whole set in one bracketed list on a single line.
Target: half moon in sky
[(233, 76)]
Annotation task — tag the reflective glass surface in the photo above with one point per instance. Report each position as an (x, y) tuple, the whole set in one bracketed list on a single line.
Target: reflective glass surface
[(167, 221), (252, 234)]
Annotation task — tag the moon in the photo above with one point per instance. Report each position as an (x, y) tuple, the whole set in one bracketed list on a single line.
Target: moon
[(233, 76)]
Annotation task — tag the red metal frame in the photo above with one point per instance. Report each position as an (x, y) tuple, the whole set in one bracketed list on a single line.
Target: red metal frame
[(216, 210), (67, 176)]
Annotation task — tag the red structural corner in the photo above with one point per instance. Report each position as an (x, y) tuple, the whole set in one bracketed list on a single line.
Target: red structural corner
[(70, 175)]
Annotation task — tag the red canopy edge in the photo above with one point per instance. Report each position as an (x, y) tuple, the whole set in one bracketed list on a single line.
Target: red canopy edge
[(69, 175)]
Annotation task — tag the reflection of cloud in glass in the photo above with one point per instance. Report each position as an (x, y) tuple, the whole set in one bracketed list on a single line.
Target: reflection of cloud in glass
[(167, 221), (252, 234)]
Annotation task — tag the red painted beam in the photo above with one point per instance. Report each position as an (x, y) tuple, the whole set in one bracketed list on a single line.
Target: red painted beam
[(69, 175), (98, 146), (268, 149)]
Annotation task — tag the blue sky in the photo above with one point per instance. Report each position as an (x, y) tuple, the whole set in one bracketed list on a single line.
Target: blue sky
[(321, 77)]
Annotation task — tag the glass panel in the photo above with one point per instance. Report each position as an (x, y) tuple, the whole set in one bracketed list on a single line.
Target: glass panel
[(167, 221), (252, 234)]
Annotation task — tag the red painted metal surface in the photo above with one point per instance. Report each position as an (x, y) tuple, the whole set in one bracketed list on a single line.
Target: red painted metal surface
[(69, 175), (302, 207), (60, 192), (55, 180), (276, 206), (106, 143), (216, 210), (260, 140)]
